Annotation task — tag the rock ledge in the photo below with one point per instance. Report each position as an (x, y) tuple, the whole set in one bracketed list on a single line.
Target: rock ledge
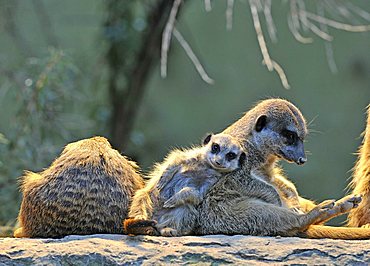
[(217, 249)]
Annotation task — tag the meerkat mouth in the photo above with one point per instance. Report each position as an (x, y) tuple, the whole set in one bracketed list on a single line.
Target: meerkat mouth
[(282, 155), (218, 167)]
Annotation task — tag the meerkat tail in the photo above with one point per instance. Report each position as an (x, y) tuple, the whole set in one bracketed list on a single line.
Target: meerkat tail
[(346, 233), (361, 180), (362, 167), (142, 206), (134, 226)]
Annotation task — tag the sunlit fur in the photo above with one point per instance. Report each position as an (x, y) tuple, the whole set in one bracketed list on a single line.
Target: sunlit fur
[(86, 190), (238, 204), (361, 181), (179, 183), (280, 114)]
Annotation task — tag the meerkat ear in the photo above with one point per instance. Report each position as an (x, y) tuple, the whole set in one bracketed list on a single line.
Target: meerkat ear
[(261, 123), (242, 158), (207, 139)]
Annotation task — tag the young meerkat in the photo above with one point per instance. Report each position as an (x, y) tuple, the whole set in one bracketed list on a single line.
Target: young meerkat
[(179, 183), (86, 190), (361, 181), (274, 129)]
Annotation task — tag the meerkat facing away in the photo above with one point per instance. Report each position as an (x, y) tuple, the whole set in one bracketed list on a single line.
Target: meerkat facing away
[(229, 208), (86, 190), (179, 184), (361, 181)]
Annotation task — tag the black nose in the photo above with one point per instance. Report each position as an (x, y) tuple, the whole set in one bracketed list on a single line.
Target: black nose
[(301, 160)]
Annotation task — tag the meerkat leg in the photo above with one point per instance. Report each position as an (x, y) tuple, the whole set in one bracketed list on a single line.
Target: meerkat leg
[(185, 195), (167, 175), (168, 231), (342, 206), (243, 215), (306, 205), (288, 192), (322, 211)]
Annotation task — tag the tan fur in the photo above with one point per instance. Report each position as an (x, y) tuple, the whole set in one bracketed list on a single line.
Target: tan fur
[(86, 190), (178, 184), (229, 208), (361, 181), (286, 189)]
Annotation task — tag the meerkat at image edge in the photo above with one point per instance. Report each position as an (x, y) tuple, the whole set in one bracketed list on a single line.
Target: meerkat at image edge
[(179, 183), (230, 208), (86, 190), (361, 181)]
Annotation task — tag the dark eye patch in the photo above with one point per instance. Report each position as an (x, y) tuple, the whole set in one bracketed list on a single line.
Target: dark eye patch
[(230, 156), (215, 148), (290, 136)]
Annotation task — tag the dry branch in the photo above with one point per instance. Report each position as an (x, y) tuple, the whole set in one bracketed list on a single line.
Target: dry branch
[(270, 64), (167, 36), (192, 57), (300, 19), (229, 14)]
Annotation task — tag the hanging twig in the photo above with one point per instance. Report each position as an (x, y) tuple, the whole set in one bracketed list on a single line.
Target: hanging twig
[(317, 31), (192, 57), (270, 64), (207, 5), (294, 23), (167, 35), (328, 45), (229, 14), (270, 22), (302, 16), (336, 24), (362, 13)]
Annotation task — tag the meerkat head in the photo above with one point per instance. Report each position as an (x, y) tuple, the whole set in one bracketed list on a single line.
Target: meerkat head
[(279, 130), (223, 152)]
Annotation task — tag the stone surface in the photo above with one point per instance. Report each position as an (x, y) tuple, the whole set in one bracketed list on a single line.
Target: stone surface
[(206, 250)]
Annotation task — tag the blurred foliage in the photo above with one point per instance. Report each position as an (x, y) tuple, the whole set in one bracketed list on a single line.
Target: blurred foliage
[(42, 96)]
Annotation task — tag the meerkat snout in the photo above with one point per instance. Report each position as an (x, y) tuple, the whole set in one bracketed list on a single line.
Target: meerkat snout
[(301, 160)]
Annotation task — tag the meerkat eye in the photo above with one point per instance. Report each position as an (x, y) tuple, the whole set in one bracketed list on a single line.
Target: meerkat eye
[(230, 156), (290, 136), (215, 148)]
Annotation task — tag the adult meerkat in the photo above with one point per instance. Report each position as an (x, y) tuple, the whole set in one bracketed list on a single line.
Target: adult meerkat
[(269, 171), (361, 181), (266, 132), (179, 183), (86, 190)]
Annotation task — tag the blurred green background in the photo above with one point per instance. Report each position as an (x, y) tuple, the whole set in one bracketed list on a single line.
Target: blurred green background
[(54, 83)]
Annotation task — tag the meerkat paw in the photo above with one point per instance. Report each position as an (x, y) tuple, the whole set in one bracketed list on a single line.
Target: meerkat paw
[(325, 205), (167, 231), (297, 210), (347, 203), (342, 206), (367, 226), (321, 212)]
